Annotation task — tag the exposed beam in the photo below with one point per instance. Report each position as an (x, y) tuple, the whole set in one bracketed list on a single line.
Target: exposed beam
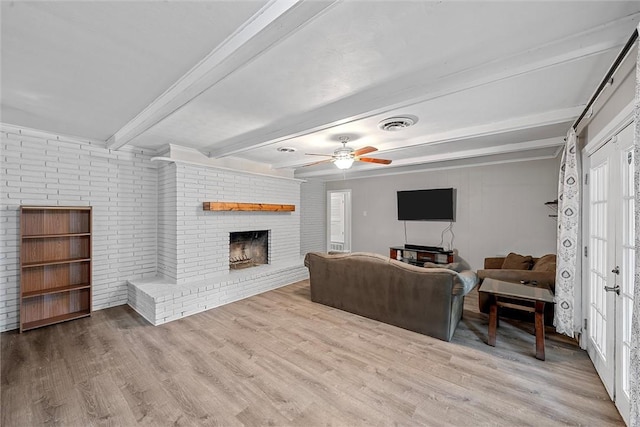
[(514, 124), (395, 95), (566, 115), (499, 159), (275, 21), (481, 152)]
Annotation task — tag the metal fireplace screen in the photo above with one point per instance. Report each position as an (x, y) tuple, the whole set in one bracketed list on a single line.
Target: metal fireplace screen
[(248, 249)]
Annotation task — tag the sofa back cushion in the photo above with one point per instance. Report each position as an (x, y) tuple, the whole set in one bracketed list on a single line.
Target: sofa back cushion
[(515, 261), (493, 263), (374, 286), (545, 263)]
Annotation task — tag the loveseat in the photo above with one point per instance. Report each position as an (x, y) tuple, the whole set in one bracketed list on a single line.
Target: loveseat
[(517, 268), (424, 300)]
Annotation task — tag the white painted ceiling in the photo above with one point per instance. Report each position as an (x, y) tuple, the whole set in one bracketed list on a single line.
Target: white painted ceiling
[(488, 81)]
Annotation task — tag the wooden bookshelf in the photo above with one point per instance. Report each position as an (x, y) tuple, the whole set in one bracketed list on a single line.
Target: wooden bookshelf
[(55, 262)]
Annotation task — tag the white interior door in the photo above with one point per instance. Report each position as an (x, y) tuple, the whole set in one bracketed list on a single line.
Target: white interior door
[(611, 264), (339, 218), (601, 304), (625, 267)]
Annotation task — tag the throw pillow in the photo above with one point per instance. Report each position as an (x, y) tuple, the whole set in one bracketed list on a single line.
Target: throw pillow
[(515, 261), (545, 263)]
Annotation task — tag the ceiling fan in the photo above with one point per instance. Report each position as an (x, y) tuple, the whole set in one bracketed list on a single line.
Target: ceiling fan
[(344, 156)]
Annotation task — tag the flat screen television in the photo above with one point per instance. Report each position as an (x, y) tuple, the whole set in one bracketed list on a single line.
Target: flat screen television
[(427, 205)]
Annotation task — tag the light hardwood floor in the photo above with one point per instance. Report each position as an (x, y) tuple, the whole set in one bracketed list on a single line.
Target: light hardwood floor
[(279, 359)]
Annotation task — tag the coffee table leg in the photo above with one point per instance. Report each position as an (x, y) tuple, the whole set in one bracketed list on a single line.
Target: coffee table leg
[(539, 321), (493, 320)]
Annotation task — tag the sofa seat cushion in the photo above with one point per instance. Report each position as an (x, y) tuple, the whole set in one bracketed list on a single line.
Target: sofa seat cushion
[(545, 263), (515, 261)]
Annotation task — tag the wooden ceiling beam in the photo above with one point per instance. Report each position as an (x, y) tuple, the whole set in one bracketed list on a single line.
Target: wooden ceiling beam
[(274, 22)]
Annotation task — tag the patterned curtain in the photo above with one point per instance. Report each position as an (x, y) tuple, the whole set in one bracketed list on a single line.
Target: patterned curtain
[(635, 322), (568, 287)]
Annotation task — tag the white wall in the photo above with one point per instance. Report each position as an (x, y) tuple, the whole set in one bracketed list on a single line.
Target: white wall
[(500, 209), (313, 217), (122, 188)]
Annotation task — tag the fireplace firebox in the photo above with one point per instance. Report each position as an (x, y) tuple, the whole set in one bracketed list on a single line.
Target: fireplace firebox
[(248, 249)]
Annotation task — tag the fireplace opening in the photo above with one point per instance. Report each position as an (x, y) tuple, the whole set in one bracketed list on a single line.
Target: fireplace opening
[(248, 249)]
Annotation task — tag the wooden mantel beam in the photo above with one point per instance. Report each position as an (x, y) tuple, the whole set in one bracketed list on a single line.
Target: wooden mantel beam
[(232, 206)]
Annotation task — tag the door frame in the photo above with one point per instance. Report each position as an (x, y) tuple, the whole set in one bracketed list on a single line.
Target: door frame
[(615, 126)]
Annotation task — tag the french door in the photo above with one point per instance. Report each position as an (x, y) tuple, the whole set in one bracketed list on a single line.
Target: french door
[(611, 264), (601, 304)]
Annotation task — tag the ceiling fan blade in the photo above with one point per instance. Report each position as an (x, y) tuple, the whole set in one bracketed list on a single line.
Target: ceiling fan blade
[(364, 150), (317, 163), (373, 160), (314, 154)]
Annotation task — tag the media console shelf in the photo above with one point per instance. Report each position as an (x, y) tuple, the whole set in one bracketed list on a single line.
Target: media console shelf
[(55, 264), (419, 257)]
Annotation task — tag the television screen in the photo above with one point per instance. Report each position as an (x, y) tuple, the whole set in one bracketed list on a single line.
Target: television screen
[(427, 205)]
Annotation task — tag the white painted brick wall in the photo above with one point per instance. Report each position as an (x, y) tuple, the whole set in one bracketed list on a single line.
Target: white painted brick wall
[(167, 213), (202, 249), (122, 188), (313, 217)]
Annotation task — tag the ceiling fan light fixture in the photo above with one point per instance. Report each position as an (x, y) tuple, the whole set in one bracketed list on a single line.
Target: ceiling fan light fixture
[(343, 163), (394, 124), (343, 157)]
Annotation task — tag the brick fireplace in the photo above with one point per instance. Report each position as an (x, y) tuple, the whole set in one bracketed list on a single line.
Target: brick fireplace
[(204, 255)]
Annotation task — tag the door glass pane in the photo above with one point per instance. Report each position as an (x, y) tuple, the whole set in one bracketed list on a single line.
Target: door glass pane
[(337, 218), (598, 258)]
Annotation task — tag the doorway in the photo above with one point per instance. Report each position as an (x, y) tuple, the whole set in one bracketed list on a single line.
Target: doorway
[(339, 220), (610, 260)]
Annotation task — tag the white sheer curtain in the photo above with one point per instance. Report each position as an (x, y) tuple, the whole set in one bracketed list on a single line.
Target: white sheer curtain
[(568, 285), (635, 323)]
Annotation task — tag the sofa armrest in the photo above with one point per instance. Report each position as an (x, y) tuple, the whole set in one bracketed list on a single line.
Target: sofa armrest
[(493, 262), (465, 282)]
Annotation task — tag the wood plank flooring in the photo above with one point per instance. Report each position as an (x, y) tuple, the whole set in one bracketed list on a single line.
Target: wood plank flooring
[(279, 359)]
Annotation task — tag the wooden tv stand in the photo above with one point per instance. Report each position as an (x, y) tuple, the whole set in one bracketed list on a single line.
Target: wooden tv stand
[(419, 257)]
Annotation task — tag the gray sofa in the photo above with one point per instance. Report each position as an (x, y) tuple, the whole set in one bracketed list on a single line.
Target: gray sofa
[(424, 300)]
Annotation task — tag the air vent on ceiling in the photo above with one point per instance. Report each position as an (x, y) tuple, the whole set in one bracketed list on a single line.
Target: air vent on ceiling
[(393, 124)]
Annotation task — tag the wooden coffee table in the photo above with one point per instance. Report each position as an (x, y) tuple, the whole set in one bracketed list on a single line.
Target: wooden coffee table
[(533, 299)]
